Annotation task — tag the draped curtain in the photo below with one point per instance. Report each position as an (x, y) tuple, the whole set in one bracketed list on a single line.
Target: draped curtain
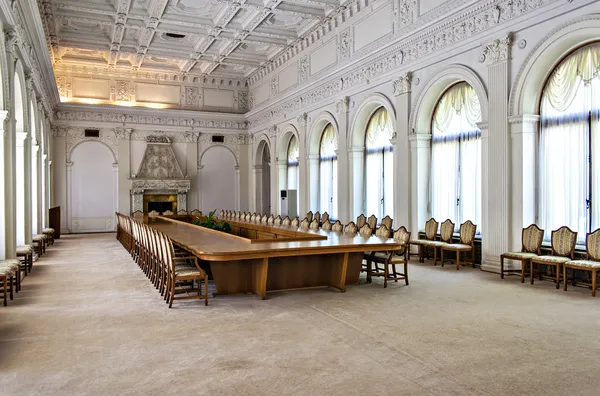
[(328, 172), (292, 164), (379, 164), (455, 189), (569, 143)]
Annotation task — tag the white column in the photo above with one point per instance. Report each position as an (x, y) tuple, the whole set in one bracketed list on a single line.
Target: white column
[(199, 187), (35, 192), (281, 181), (420, 155), (303, 200), (313, 170), (257, 188), (3, 180), (10, 197), (357, 163), (69, 194), (23, 219), (115, 192), (402, 158), (236, 188), (496, 156), (123, 169), (343, 192)]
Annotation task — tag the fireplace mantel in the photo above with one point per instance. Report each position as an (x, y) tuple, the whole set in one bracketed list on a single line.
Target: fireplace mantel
[(139, 187)]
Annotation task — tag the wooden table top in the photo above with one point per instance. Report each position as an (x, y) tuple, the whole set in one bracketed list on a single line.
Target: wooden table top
[(213, 245)]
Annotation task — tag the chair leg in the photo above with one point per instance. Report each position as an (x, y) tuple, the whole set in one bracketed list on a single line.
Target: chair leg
[(395, 273), (557, 276), (4, 288), (593, 283), (406, 272), (501, 267), (385, 274), (205, 290), (172, 293), (457, 260), (565, 276), (523, 270), (532, 271)]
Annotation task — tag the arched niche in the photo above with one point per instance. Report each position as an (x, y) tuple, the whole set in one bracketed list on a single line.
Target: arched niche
[(219, 179), (420, 118), (92, 188), (262, 175), (112, 151), (316, 130), (526, 91), (363, 115), (289, 130)]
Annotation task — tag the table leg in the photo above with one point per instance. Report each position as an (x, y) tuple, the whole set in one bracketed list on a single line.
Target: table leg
[(259, 275), (339, 273)]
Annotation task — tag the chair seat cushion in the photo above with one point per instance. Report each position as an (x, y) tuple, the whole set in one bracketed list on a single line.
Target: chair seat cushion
[(434, 243), (39, 237), (25, 249), (584, 264), (550, 260), (380, 257), (519, 255), (458, 246), (12, 264), (185, 271), (48, 231)]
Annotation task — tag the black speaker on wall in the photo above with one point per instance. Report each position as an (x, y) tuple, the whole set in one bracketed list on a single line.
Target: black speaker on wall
[(92, 133), (218, 138)]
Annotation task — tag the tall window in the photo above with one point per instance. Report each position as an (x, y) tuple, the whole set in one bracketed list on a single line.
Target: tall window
[(292, 164), (456, 156), (328, 172), (569, 171), (379, 164)]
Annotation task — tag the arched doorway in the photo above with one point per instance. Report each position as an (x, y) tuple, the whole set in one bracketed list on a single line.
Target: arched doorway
[(266, 181)]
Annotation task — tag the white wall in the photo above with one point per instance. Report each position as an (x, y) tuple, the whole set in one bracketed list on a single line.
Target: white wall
[(93, 195), (217, 187)]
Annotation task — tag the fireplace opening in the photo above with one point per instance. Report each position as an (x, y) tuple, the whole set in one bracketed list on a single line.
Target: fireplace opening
[(160, 207), (160, 203)]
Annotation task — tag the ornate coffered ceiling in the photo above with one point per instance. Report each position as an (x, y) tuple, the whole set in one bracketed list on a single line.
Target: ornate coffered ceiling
[(228, 38)]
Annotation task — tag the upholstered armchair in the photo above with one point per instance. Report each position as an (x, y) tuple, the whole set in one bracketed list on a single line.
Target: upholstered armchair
[(326, 225), (305, 223), (563, 243), (314, 225), (591, 263), (387, 221), (337, 226), (277, 220), (271, 220), (264, 219), (309, 216), (317, 216), (324, 217), (372, 222), (350, 228), (221, 214), (182, 212), (252, 217), (446, 231), (390, 259), (167, 213), (531, 243), (287, 221), (196, 212), (365, 231), (153, 213), (295, 222), (361, 221), (466, 244), (431, 227)]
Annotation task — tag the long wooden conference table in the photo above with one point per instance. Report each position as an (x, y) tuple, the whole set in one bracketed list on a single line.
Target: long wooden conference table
[(259, 258)]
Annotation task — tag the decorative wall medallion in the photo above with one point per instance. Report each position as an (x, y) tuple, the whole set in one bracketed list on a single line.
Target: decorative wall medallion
[(522, 44), (274, 86), (122, 93), (303, 68), (191, 96), (243, 102)]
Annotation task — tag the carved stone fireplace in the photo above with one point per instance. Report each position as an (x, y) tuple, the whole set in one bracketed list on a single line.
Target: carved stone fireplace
[(159, 179)]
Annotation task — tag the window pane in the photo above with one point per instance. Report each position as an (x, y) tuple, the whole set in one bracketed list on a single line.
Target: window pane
[(328, 172), (379, 162)]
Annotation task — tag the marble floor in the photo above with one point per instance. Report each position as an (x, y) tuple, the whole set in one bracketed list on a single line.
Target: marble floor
[(87, 322)]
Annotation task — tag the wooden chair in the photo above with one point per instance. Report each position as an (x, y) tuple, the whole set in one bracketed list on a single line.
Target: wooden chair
[(591, 263), (400, 256), (317, 216), (264, 219), (350, 228), (314, 225), (326, 225), (182, 212), (324, 217), (10, 271), (563, 243), (5, 277), (372, 222), (253, 217), (309, 216), (277, 220), (287, 221), (431, 227), (152, 213), (337, 226), (446, 231), (387, 221), (271, 220), (382, 232), (365, 231), (466, 244), (305, 223), (25, 253), (531, 244), (221, 214), (196, 212), (361, 221), (49, 232), (39, 243), (295, 222), (167, 213)]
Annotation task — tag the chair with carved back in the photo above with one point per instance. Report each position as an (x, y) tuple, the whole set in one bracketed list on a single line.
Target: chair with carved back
[(324, 217), (309, 216), (382, 232), (365, 231), (221, 214), (446, 231), (390, 259), (277, 220), (361, 221), (337, 226), (253, 217), (287, 221), (591, 263), (372, 222), (196, 212), (431, 227), (305, 223), (264, 219), (350, 228), (317, 216), (387, 221), (563, 241), (167, 213), (531, 244), (271, 220), (314, 225), (182, 212), (295, 222), (326, 225), (466, 244)]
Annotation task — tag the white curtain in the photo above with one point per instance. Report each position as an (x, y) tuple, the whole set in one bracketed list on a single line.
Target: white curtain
[(569, 107), (379, 164), (455, 183), (292, 164), (328, 172)]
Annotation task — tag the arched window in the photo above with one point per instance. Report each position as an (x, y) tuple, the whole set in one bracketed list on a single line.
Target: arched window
[(292, 164), (456, 156), (569, 171), (328, 172), (379, 165)]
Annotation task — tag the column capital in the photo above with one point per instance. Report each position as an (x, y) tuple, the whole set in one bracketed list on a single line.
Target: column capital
[(69, 165), (303, 119), (21, 138), (342, 106), (498, 50), (11, 37), (402, 84)]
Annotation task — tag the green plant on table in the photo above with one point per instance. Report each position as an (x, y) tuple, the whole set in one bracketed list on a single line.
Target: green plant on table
[(212, 222)]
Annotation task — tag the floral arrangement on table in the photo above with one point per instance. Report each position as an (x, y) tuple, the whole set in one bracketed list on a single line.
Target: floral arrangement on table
[(212, 222)]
